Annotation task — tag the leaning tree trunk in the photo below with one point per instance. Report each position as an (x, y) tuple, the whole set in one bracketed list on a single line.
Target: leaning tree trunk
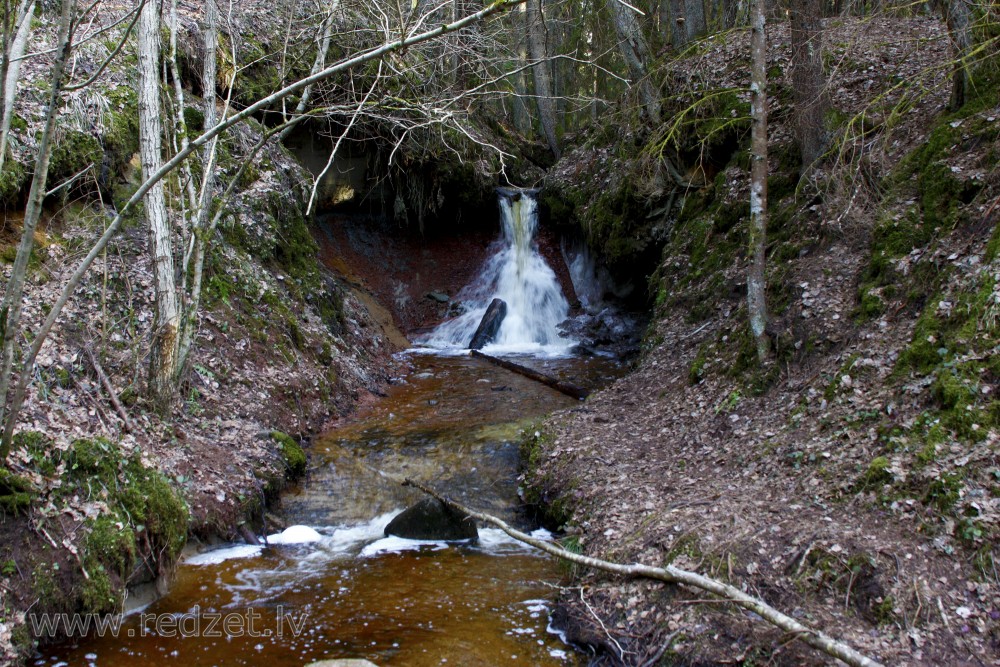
[(635, 51), (808, 80), (543, 80), (10, 311), (756, 300), (958, 17), (166, 321)]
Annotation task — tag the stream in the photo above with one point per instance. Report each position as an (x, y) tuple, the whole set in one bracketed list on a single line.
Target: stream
[(354, 593), (332, 585)]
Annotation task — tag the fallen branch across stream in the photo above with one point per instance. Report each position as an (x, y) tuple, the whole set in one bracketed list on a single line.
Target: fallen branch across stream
[(673, 575), (530, 373)]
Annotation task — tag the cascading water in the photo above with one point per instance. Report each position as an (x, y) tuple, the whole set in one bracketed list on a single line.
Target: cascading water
[(518, 274)]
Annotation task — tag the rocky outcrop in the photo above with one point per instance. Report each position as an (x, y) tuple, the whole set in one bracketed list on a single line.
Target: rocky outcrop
[(430, 519)]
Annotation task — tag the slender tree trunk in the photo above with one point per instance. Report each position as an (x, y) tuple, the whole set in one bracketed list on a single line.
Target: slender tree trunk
[(10, 70), (10, 311), (756, 282), (543, 81), (202, 230), (958, 17), (166, 320), (808, 81), (318, 63), (635, 51)]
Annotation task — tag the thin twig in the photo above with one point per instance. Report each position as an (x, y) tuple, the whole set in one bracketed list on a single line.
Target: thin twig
[(108, 388)]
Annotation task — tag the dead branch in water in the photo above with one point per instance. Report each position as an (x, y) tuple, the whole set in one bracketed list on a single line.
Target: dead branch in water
[(673, 575)]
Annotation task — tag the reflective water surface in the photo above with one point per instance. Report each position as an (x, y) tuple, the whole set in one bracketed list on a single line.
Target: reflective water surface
[(350, 592)]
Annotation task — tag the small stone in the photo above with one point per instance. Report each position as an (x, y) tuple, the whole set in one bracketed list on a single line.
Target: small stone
[(440, 297)]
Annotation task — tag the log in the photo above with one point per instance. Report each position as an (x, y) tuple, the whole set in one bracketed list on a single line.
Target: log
[(567, 388), (489, 326), (675, 575)]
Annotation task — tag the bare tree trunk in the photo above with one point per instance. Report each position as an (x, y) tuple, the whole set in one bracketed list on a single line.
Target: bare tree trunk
[(166, 320), (694, 19), (756, 281), (10, 69), (202, 231), (678, 30), (958, 17), (635, 51), (808, 80), (543, 82), (10, 311)]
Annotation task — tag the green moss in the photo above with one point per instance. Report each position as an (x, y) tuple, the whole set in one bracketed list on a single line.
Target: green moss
[(48, 590), (940, 199), (38, 448), (16, 493), (145, 518), (72, 153), (194, 120), (885, 611), (944, 491), (291, 452), (13, 179), (877, 475), (697, 370)]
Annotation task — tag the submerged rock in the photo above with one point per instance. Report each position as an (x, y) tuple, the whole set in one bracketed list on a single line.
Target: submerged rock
[(431, 519), (489, 326)]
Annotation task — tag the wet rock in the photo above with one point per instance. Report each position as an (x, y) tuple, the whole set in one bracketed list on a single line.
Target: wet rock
[(343, 662), (489, 325), (440, 297), (430, 519)]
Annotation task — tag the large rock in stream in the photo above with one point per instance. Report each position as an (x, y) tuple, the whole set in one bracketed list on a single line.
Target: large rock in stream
[(431, 519), (489, 326)]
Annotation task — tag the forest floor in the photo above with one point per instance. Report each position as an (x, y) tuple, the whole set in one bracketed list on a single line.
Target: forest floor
[(822, 483)]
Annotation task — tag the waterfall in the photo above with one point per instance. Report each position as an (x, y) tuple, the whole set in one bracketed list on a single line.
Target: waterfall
[(518, 274)]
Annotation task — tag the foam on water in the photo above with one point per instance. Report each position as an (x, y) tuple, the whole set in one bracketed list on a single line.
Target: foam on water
[(217, 556), (519, 275), (365, 540), (295, 535)]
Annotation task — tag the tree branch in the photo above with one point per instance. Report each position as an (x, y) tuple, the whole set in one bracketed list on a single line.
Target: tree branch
[(674, 575)]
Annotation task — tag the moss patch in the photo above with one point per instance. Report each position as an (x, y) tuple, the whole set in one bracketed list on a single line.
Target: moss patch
[(145, 521), (291, 453)]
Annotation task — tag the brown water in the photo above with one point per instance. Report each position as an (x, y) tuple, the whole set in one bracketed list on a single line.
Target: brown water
[(454, 423)]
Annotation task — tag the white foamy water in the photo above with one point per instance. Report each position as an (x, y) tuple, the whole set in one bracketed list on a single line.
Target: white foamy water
[(295, 535), (518, 274), (364, 539)]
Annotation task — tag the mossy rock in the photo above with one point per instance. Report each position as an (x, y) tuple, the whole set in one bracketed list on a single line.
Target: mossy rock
[(291, 453)]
